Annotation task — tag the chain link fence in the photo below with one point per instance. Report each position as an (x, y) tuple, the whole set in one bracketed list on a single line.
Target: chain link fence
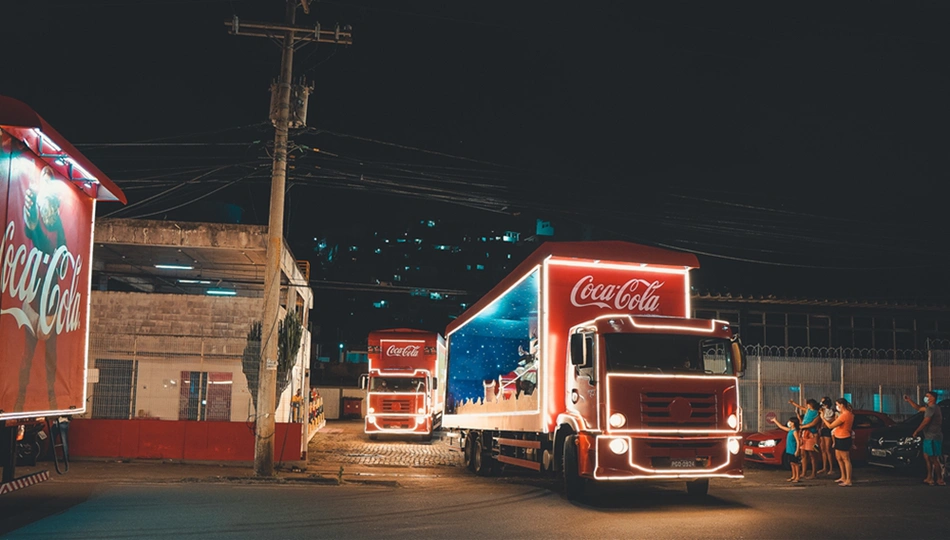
[(870, 379)]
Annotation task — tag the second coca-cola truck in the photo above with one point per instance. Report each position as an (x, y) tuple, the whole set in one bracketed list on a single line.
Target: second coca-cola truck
[(403, 395), (48, 197), (584, 362)]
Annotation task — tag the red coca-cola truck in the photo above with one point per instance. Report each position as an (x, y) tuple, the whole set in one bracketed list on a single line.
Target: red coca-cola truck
[(406, 369), (585, 363), (48, 195)]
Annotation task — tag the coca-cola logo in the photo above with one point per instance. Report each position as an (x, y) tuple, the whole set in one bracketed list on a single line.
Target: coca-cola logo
[(407, 351), (23, 279), (634, 295)]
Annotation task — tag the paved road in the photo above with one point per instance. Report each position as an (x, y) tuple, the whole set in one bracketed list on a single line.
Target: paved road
[(392, 490), (510, 507)]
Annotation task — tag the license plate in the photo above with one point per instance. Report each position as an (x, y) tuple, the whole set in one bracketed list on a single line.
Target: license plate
[(683, 463), (877, 452), (748, 451)]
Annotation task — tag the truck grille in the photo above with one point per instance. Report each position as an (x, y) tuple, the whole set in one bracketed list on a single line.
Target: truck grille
[(679, 410), (397, 405)]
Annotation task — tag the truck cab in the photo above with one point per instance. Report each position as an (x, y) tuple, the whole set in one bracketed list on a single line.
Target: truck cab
[(654, 397), (402, 386)]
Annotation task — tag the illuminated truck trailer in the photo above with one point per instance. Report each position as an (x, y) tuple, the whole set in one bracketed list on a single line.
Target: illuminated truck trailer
[(48, 195), (584, 363), (405, 370)]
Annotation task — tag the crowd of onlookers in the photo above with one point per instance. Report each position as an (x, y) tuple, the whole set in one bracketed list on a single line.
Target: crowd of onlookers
[(820, 427)]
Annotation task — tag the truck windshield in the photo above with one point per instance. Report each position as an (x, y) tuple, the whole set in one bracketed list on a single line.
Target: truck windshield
[(397, 384), (665, 353)]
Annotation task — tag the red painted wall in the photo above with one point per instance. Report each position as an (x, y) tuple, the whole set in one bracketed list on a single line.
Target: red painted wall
[(173, 439)]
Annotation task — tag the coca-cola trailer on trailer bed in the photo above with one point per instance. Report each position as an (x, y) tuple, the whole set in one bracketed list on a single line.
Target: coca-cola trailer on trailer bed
[(406, 368), (48, 194), (584, 362)]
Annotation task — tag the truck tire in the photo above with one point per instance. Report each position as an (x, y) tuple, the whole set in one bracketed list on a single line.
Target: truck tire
[(573, 483), (482, 462), (698, 488), (373, 436), (467, 451)]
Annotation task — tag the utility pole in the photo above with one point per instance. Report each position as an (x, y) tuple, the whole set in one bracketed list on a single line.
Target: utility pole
[(267, 379)]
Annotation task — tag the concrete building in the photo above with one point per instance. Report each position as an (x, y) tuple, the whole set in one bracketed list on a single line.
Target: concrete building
[(171, 307)]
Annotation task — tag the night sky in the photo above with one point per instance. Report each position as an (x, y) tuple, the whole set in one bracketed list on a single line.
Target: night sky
[(799, 149)]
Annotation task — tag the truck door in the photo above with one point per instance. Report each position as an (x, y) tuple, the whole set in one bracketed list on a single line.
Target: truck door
[(582, 380)]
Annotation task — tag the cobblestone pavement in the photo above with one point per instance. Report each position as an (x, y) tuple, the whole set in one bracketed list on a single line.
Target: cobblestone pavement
[(344, 443)]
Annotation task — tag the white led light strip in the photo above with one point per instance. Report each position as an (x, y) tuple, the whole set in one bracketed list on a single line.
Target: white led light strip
[(610, 407), (662, 473)]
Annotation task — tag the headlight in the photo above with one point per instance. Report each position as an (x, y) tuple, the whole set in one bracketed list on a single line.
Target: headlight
[(733, 421), (768, 444), (733, 446), (619, 446), (421, 410), (617, 420), (371, 410), (371, 419), (907, 441)]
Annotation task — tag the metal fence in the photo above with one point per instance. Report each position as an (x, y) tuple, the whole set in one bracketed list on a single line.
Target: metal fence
[(870, 379)]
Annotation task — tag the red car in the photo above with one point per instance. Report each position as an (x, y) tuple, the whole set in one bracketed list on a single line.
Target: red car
[(769, 447)]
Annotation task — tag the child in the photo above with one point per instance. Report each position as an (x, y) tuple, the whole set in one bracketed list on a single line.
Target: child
[(793, 445)]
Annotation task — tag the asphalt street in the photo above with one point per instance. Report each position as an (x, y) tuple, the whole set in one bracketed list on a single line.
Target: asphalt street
[(354, 488), (469, 507)]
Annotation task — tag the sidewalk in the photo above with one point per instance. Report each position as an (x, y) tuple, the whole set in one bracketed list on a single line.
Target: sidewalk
[(339, 451)]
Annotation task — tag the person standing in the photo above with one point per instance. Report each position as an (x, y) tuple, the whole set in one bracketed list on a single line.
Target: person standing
[(824, 436), (841, 431), (932, 429), (809, 437), (793, 447)]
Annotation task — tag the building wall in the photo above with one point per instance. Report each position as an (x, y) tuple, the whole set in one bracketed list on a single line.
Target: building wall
[(159, 336), (820, 326)]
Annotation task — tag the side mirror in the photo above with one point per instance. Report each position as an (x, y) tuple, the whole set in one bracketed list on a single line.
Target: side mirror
[(364, 381), (578, 353), (738, 357)]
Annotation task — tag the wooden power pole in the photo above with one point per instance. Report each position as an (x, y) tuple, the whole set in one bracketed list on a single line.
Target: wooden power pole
[(267, 379)]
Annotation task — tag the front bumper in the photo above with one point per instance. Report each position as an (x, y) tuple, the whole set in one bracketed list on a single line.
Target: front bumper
[(642, 458), (768, 455), (412, 424), (894, 456)]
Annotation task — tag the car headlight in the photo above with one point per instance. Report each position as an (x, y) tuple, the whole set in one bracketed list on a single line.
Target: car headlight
[(768, 444), (733, 421), (422, 410), (371, 410), (371, 419), (619, 446), (617, 420), (907, 441)]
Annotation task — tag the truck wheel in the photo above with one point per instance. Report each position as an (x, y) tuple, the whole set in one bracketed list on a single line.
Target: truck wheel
[(698, 488), (373, 436), (573, 483), (482, 462), (467, 451)]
